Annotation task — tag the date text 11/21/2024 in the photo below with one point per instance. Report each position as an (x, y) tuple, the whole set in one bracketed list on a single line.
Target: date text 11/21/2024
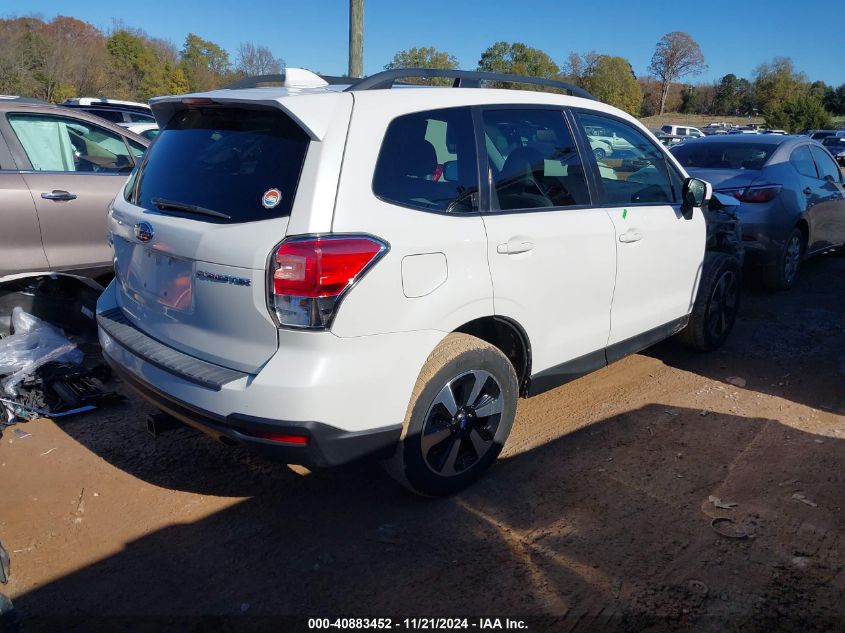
[(414, 624)]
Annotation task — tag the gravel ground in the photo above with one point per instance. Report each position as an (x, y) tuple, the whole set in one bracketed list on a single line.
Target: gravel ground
[(600, 509)]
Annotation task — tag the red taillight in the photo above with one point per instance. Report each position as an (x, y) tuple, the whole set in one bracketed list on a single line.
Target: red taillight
[(310, 275), (197, 101), (285, 438), (760, 193), (321, 267)]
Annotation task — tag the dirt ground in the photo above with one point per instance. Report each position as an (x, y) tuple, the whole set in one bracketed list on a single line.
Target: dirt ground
[(599, 510)]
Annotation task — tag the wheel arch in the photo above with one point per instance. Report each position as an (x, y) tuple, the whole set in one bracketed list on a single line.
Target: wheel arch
[(509, 337)]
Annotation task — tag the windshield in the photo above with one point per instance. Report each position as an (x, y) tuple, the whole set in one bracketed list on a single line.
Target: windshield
[(242, 164), (706, 155)]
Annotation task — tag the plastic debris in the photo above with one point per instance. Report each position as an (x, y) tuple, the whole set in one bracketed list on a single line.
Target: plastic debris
[(726, 527), (698, 587), (799, 497), (34, 343), (725, 505), (20, 433), (736, 381)]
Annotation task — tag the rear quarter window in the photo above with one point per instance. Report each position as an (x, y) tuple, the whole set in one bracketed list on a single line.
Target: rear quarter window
[(428, 161), (242, 163)]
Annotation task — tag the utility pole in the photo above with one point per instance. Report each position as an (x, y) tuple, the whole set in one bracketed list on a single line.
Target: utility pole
[(356, 38)]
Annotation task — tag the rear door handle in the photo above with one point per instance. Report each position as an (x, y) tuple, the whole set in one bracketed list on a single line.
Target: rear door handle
[(808, 191), (515, 245), (58, 194), (630, 236)]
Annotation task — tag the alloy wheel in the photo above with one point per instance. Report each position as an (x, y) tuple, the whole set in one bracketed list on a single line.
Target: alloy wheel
[(724, 301), (461, 423), (792, 259)]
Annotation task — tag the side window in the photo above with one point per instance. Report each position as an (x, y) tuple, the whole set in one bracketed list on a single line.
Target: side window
[(802, 160), (139, 117), (827, 168), (682, 131), (533, 160), (637, 171), (138, 149), (115, 116), (667, 129), (55, 143), (428, 160)]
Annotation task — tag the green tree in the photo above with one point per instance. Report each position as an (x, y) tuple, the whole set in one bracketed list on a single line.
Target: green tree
[(148, 67), (518, 59), (205, 64), (612, 80), (727, 95), (776, 82), (424, 57), (689, 100), (798, 112), (835, 100), (676, 55)]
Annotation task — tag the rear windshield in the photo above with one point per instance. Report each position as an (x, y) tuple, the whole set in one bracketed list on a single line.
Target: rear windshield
[(698, 155), (210, 162)]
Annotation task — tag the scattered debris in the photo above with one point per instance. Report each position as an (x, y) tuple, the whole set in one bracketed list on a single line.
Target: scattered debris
[(703, 412), (5, 565), (80, 503), (725, 505), (789, 482), (799, 497), (726, 527), (33, 344), (48, 452), (736, 381), (801, 562), (20, 433)]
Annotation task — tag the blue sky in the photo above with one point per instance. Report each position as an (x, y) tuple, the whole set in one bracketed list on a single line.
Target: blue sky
[(735, 36)]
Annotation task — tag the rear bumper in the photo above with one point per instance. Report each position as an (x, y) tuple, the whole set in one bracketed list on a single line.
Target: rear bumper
[(348, 395), (326, 445)]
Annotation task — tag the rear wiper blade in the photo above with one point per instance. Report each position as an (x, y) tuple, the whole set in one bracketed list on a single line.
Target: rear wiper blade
[(162, 204)]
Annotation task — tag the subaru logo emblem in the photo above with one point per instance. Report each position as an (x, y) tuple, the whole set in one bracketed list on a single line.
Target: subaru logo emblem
[(144, 231)]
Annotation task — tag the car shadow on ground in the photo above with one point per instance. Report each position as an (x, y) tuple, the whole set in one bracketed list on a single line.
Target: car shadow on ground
[(788, 344), (606, 526)]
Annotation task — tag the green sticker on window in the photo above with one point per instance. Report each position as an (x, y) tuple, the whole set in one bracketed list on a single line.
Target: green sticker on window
[(624, 213)]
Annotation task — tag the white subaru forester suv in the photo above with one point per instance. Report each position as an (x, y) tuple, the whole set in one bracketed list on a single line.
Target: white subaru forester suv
[(325, 273)]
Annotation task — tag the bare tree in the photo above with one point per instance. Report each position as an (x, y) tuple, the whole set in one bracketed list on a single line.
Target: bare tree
[(257, 60), (676, 56)]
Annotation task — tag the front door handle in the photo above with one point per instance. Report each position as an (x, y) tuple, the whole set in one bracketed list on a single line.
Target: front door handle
[(515, 245), (808, 191), (58, 194), (630, 236)]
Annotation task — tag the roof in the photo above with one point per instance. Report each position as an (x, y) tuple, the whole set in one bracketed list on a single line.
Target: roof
[(761, 139), (98, 101)]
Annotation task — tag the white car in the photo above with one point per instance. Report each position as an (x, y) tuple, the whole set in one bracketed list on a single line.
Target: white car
[(148, 130), (682, 130), (323, 274)]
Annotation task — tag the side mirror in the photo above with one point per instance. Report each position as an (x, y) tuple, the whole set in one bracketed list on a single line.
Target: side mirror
[(695, 193), (450, 171)]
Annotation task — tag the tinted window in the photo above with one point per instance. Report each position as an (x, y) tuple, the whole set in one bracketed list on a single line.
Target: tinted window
[(667, 129), (140, 117), (428, 160), (533, 160), (242, 163), (723, 155), (115, 116), (827, 167), (682, 131), (636, 171), (55, 143), (834, 143), (802, 160)]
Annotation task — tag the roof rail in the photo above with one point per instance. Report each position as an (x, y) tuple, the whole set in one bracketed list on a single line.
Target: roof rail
[(462, 79)]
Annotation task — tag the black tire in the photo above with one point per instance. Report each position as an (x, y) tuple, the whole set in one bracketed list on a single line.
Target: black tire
[(782, 275), (716, 304), (462, 443), (600, 154)]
